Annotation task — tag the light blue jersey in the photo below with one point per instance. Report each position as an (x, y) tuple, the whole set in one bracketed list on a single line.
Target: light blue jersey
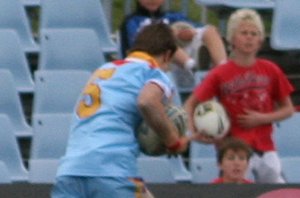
[(102, 139)]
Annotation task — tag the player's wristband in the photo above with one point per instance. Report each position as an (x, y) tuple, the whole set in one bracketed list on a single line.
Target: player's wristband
[(174, 147)]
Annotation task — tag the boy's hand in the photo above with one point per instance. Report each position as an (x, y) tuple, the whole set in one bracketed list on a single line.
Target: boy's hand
[(200, 136), (251, 119)]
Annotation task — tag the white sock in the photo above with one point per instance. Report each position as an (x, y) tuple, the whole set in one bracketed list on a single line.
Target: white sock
[(190, 64)]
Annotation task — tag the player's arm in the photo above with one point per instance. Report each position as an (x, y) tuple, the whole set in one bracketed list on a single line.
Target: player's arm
[(153, 112)]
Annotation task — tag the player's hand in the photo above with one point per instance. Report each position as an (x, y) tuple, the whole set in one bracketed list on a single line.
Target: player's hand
[(180, 146)]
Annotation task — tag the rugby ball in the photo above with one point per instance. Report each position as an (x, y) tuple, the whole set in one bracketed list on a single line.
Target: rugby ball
[(211, 118), (150, 143)]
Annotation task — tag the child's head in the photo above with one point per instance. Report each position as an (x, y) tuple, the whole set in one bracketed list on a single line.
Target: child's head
[(151, 5), (244, 15), (233, 159)]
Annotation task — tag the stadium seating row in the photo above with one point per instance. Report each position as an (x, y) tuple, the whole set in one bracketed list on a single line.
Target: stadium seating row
[(76, 40), (15, 9), (50, 137), (285, 29), (13, 16), (74, 45), (77, 14)]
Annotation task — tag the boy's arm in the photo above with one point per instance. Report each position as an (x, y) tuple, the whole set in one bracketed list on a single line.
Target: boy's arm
[(285, 109), (252, 118), (189, 106)]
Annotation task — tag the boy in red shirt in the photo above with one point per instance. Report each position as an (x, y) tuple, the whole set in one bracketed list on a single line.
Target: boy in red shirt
[(254, 91)]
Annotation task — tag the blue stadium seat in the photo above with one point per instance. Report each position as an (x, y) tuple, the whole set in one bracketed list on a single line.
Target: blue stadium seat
[(9, 151), (70, 49), (202, 162), (56, 91), (287, 135), (184, 79), (13, 16), (199, 76), (186, 83), (31, 3), (290, 168), (12, 57), (107, 7), (199, 150), (255, 4), (225, 7), (50, 134), (285, 31), (10, 105), (176, 97), (86, 14), (5, 177), (155, 170), (173, 169), (48, 146), (42, 171), (204, 170), (178, 167)]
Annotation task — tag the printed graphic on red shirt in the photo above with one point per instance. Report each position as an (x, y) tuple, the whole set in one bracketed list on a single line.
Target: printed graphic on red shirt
[(247, 91)]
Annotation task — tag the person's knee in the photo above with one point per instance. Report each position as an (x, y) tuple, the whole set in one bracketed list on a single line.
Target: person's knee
[(211, 31)]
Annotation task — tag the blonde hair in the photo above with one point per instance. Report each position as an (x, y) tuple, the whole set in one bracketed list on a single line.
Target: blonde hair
[(244, 15)]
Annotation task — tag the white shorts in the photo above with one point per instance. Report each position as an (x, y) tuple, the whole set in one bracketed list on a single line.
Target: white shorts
[(192, 49), (266, 168)]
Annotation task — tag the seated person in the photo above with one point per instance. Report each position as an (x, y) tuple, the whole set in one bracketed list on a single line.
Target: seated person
[(150, 11), (233, 159)]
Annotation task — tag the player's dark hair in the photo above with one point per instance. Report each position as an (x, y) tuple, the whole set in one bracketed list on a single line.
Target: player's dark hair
[(155, 39), (234, 144)]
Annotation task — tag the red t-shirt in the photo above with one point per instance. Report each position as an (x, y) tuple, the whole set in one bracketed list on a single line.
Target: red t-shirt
[(256, 87), (221, 181)]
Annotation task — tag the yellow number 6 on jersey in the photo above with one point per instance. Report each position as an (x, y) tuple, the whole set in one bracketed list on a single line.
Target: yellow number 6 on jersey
[(91, 101)]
